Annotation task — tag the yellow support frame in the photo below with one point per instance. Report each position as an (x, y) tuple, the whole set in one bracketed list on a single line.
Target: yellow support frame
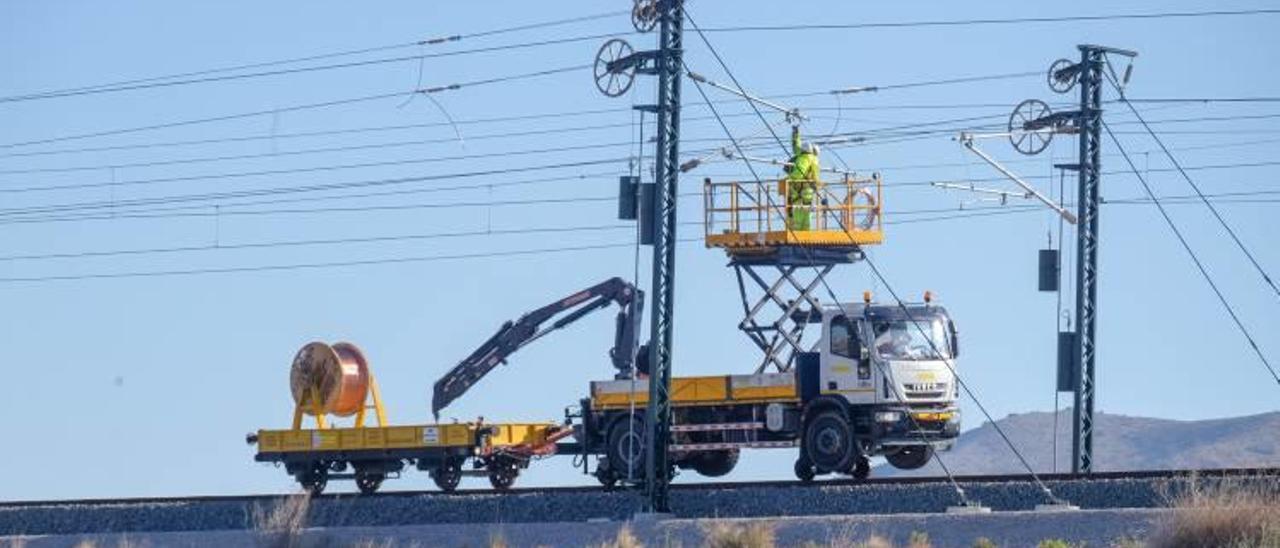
[(317, 410)]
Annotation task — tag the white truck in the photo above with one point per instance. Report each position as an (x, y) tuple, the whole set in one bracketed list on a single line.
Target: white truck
[(879, 382)]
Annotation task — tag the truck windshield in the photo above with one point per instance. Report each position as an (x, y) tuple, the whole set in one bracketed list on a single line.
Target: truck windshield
[(912, 340)]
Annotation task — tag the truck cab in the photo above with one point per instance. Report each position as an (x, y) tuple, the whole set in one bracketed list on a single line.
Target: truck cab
[(887, 372)]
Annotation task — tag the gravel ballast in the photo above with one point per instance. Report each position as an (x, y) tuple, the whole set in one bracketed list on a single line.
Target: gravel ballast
[(579, 505), (1085, 527)]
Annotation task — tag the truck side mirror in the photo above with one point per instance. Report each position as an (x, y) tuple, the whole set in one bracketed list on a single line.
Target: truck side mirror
[(955, 340)]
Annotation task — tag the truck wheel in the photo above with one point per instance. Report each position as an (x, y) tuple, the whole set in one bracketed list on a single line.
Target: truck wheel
[(626, 448), (369, 482), (828, 441), (314, 478), (910, 457), (804, 469), (716, 463), (447, 476)]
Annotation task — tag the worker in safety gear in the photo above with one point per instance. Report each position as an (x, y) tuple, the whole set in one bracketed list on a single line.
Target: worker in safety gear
[(802, 179)]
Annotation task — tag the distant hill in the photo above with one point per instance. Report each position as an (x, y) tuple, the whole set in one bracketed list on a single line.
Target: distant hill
[(1120, 443)]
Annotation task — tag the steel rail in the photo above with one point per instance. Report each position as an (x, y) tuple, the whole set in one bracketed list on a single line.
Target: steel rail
[(708, 486)]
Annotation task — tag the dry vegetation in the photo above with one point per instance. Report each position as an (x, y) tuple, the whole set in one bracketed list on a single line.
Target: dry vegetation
[(727, 534), (280, 524), (1227, 514), (624, 539)]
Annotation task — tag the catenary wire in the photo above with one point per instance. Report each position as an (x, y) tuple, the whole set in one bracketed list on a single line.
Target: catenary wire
[(203, 76), (1194, 258), (1216, 214), (991, 21), (309, 106)]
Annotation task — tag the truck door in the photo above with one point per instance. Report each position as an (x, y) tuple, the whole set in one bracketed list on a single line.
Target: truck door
[(846, 365)]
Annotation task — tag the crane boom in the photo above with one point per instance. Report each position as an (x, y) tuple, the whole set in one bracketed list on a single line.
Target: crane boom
[(515, 334)]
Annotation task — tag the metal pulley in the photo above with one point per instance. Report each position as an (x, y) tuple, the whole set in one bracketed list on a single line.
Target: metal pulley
[(612, 78), (1063, 75), (644, 15), (1026, 128)]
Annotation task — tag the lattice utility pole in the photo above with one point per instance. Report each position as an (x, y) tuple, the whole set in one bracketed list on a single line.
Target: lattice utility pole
[(615, 69), (667, 172), (1093, 60)]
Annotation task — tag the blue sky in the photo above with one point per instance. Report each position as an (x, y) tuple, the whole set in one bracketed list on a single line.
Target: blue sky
[(146, 385)]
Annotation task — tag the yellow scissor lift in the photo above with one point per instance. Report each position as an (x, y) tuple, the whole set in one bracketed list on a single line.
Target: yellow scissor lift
[(786, 264)]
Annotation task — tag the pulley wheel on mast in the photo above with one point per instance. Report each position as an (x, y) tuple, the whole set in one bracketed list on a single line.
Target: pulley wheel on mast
[(1063, 75), (614, 79), (1027, 132), (644, 15)]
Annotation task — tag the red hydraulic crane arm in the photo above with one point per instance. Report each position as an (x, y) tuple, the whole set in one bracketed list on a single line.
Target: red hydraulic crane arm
[(514, 335)]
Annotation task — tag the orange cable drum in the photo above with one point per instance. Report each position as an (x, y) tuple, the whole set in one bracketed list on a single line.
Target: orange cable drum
[(338, 373)]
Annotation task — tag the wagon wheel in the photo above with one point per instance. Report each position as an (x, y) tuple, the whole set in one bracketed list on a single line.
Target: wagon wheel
[(447, 476), (1024, 139), (613, 82), (644, 15), (1063, 75), (369, 482), (606, 476), (315, 478), (502, 473)]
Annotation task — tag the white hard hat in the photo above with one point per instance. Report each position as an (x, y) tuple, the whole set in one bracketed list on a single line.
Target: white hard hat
[(809, 148)]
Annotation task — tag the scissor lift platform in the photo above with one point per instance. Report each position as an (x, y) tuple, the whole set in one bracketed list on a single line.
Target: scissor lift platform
[(787, 265), (750, 217)]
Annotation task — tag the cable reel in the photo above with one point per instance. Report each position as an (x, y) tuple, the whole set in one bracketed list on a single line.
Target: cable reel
[(644, 15), (1027, 129), (614, 79)]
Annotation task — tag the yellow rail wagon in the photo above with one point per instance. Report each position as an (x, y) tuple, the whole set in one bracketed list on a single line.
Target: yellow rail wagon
[(335, 380)]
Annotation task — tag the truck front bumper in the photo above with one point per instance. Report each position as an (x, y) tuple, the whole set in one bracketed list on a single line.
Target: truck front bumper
[(916, 427)]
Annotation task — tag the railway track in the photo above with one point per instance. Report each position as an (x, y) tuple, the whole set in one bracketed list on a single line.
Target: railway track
[(684, 487)]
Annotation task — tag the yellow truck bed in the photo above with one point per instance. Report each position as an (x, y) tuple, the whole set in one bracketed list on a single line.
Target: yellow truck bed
[(423, 436), (708, 390)]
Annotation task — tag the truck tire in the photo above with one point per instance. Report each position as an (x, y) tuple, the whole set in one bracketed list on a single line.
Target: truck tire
[(714, 464), (626, 448), (828, 442), (910, 457)]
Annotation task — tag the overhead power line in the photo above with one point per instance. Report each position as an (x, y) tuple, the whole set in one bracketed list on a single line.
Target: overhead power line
[(316, 265), (73, 206), (310, 242), (1004, 21), (1205, 100), (172, 79), (310, 106)]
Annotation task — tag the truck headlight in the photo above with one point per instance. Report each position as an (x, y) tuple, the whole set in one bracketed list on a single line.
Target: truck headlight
[(888, 416)]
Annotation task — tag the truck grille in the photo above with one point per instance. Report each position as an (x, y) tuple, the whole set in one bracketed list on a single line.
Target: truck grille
[(925, 390)]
